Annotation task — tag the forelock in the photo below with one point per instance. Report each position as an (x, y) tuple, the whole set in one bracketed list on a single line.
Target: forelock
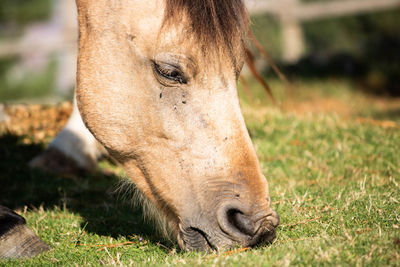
[(215, 23)]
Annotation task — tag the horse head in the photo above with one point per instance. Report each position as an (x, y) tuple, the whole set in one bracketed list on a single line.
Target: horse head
[(157, 86)]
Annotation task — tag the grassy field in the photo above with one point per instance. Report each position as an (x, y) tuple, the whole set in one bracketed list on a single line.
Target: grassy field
[(331, 156)]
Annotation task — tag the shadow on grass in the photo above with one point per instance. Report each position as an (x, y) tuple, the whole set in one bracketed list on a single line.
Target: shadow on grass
[(91, 196)]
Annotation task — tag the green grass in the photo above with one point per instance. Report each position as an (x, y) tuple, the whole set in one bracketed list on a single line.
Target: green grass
[(30, 85), (334, 180)]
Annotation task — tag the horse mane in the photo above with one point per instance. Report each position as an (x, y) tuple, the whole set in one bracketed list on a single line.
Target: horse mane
[(215, 23)]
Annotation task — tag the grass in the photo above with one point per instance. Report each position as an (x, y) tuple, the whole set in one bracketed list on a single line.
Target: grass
[(334, 179)]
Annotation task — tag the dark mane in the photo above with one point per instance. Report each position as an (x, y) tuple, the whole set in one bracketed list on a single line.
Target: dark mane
[(214, 22)]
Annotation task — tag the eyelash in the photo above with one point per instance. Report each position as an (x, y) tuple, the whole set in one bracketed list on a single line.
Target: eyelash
[(171, 73)]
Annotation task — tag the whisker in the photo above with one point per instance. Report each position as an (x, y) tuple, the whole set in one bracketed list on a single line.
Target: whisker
[(127, 192)]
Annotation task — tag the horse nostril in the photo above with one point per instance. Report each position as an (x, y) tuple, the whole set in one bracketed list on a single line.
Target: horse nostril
[(244, 229), (240, 222), (233, 221)]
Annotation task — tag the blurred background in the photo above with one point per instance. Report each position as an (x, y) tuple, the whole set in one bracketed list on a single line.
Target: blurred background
[(324, 47), (355, 39)]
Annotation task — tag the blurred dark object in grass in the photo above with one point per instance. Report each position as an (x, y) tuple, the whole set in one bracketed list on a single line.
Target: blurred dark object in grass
[(16, 239)]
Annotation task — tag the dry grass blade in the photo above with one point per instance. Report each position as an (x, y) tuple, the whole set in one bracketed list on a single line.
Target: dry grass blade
[(384, 123), (302, 222), (229, 252), (234, 251), (104, 246), (291, 200)]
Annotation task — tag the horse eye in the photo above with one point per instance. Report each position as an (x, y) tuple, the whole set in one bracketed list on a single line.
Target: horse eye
[(170, 72)]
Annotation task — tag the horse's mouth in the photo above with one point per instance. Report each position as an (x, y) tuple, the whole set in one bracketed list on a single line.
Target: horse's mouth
[(192, 238)]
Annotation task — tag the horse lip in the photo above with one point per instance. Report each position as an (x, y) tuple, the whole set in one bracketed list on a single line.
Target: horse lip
[(272, 217), (263, 237), (266, 228), (193, 238)]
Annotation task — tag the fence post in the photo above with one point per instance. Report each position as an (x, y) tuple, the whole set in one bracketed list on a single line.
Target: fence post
[(292, 33)]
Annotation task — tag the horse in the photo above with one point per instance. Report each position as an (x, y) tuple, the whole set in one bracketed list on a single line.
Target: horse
[(157, 90)]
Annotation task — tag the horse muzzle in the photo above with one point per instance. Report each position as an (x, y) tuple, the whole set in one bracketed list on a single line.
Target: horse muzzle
[(231, 226)]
